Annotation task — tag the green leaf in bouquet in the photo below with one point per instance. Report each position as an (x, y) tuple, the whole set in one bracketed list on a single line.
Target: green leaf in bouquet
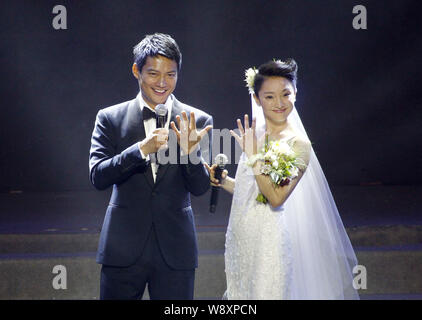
[(261, 198)]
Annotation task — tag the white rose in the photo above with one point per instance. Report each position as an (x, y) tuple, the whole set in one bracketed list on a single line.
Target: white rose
[(294, 171), (281, 148)]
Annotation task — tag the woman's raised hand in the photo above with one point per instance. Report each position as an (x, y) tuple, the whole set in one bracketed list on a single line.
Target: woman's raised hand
[(247, 138)]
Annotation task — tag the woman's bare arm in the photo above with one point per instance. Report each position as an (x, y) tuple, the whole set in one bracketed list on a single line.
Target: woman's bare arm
[(277, 195)]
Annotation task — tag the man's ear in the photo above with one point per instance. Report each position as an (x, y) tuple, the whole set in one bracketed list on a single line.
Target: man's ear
[(135, 71), (256, 99)]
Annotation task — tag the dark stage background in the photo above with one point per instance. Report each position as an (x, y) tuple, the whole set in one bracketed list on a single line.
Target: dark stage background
[(358, 97), (359, 90)]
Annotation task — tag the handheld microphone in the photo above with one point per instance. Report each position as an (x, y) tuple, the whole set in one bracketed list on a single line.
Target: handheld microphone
[(221, 161), (161, 113)]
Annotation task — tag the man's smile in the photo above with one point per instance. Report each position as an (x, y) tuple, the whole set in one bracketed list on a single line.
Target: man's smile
[(159, 91)]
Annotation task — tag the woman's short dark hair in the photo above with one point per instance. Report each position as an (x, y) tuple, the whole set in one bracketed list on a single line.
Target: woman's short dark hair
[(157, 44), (286, 69)]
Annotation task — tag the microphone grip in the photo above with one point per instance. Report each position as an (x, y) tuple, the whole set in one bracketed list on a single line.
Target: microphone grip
[(161, 121), (217, 173), (214, 198), (215, 190)]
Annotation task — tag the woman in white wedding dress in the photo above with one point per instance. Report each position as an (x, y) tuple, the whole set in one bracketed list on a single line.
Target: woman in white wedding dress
[(295, 245)]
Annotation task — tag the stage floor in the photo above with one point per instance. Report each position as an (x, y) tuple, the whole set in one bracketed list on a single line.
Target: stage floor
[(41, 230), (83, 211)]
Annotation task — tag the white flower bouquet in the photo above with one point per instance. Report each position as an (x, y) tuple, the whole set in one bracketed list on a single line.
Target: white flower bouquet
[(279, 162)]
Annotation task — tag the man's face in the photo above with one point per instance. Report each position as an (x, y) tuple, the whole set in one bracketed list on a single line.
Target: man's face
[(157, 79)]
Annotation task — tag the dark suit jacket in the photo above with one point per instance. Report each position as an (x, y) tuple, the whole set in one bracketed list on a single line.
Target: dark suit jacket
[(137, 202)]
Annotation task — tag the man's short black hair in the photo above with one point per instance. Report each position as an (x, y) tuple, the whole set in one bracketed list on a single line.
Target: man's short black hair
[(157, 44)]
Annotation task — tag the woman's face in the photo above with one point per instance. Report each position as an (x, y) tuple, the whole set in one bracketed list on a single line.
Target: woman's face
[(276, 97)]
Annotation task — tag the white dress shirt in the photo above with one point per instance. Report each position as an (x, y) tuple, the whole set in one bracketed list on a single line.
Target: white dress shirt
[(150, 125)]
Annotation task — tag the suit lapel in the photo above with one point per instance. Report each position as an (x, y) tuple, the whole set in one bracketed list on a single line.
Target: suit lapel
[(136, 119)]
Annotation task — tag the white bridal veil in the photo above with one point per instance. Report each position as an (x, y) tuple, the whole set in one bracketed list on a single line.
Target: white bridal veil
[(323, 257)]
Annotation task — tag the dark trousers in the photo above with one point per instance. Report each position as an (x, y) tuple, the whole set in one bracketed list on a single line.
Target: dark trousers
[(164, 283)]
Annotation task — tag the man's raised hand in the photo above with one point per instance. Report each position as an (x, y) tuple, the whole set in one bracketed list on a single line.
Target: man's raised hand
[(188, 136)]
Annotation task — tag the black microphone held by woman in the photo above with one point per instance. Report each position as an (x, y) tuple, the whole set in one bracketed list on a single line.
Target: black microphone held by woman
[(221, 161)]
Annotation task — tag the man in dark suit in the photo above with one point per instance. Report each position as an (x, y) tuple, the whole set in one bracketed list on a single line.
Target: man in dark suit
[(148, 235)]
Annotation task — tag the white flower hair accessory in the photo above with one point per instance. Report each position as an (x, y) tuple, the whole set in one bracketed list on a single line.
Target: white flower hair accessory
[(250, 78), (252, 72)]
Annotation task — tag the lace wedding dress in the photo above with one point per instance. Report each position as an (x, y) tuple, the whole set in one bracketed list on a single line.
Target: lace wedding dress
[(258, 250), (299, 250)]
